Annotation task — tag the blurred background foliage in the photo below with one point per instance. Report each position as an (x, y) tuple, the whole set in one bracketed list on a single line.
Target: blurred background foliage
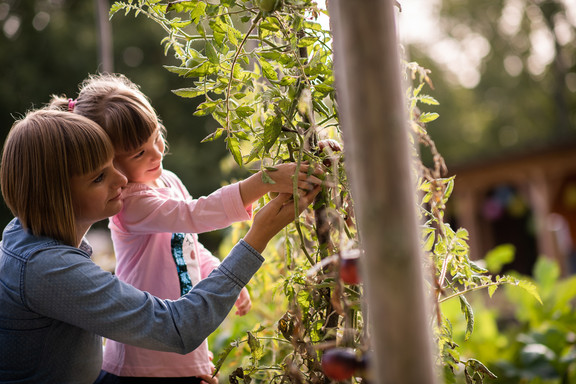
[(504, 73), (50, 46)]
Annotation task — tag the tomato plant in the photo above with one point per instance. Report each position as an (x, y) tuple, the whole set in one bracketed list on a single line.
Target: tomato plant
[(264, 72)]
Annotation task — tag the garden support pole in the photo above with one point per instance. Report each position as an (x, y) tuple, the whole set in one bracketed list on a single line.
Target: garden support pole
[(376, 142)]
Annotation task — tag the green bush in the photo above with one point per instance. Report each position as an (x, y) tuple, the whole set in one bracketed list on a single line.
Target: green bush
[(520, 339)]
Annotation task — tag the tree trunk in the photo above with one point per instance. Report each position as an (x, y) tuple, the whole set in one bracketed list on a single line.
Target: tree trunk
[(105, 50), (373, 119)]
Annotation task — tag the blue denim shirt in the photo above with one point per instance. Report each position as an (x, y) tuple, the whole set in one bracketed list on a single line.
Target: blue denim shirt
[(56, 304)]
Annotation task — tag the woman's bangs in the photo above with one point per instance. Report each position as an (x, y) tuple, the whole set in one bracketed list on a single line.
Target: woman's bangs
[(89, 150)]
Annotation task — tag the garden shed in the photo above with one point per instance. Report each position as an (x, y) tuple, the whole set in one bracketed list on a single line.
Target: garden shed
[(526, 198)]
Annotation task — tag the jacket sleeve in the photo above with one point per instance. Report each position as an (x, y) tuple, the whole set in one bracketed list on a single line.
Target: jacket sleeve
[(148, 211), (65, 285)]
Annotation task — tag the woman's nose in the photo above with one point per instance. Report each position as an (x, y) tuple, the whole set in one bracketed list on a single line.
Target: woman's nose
[(121, 180)]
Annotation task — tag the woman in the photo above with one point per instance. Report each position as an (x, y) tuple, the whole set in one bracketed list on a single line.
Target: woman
[(58, 179)]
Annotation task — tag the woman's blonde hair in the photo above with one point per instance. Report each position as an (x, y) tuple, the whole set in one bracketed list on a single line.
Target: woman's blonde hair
[(117, 105), (41, 153)]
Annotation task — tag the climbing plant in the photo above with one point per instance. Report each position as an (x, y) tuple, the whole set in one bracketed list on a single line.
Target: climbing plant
[(264, 72)]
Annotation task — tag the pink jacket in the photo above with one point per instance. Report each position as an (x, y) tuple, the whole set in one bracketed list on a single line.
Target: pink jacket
[(147, 255)]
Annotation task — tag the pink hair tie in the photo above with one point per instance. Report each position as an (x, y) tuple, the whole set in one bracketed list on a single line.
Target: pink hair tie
[(71, 104)]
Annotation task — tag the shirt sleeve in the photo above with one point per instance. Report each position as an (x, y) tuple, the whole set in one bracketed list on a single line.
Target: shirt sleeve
[(150, 211), (64, 284)]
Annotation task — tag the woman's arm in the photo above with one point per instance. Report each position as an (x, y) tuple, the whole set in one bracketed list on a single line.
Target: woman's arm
[(67, 286), (63, 284)]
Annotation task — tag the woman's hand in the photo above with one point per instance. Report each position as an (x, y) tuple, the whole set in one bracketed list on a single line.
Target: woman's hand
[(275, 215)]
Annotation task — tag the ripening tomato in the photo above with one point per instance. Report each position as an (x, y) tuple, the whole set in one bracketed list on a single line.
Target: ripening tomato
[(349, 267), (339, 363), (331, 149)]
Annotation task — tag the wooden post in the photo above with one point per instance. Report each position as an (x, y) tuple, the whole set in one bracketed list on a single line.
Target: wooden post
[(374, 124)]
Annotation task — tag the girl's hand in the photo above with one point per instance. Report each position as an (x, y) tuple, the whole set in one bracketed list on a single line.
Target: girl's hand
[(243, 303), (208, 379), (283, 175)]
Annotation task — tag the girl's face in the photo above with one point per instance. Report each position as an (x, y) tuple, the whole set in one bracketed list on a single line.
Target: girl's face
[(144, 165), (96, 196)]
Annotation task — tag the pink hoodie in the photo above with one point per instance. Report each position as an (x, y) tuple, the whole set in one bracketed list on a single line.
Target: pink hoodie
[(142, 233)]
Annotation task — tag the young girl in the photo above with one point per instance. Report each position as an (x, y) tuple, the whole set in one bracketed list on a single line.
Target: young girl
[(154, 235), (57, 177)]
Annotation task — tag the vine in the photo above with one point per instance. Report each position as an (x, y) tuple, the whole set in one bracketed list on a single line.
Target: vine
[(264, 70)]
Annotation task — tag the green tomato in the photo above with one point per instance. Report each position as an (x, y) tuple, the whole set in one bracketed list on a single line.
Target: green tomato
[(269, 5)]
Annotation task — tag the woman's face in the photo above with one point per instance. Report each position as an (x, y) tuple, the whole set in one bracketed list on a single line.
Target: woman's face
[(144, 165), (97, 195)]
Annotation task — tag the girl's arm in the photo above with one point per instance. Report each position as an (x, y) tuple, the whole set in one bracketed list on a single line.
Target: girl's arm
[(152, 211)]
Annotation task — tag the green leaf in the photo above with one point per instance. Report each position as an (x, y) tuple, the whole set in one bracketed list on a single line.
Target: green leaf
[(212, 53), (267, 25), (492, 289), (427, 117), (256, 350), (234, 147), (272, 130), (198, 12), (177, 24), (306, 42), (213, 136), (206, 108), (469, 314), (429, 242), (428, 100), (188, 92), (245, 111), (324, 88), (268, 70), (498, 257), (530, 288), (223, 355), (477, 366), (287, 80), (199, 71), (266, 179), (115, 8)]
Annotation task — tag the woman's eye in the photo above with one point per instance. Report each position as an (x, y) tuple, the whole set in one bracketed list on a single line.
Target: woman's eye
[(99, 178)]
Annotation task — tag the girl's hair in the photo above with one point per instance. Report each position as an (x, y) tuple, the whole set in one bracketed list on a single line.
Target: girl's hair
[(117, 105), (41, 153)]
